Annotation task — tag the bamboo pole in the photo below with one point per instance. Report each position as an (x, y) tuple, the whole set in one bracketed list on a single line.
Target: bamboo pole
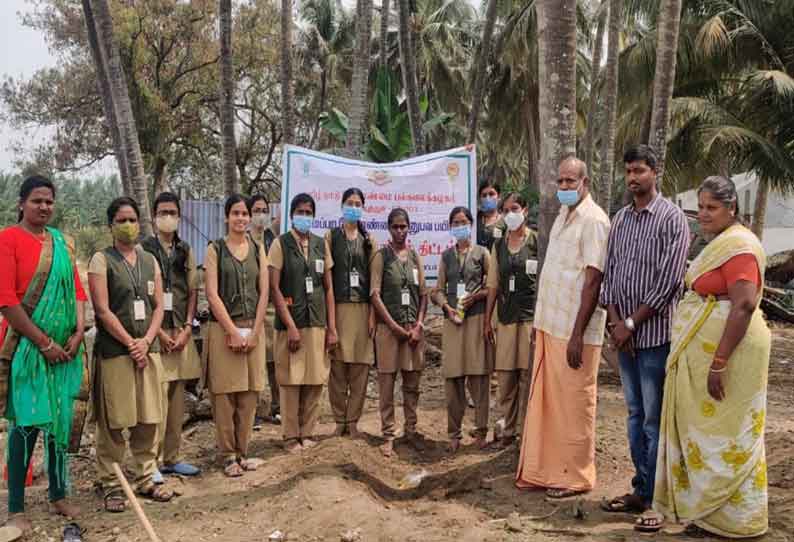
[(135, 504)]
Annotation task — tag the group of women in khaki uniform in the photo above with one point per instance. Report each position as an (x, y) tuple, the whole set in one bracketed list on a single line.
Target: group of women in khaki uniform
[(337, 300)]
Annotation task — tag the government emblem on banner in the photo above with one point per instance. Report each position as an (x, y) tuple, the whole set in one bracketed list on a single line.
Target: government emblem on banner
[(453, 170), (379, 177)]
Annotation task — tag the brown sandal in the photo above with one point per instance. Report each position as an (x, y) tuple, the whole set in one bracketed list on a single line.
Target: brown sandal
[(156, 493), (232, 469), (558, 493), (115, 501)]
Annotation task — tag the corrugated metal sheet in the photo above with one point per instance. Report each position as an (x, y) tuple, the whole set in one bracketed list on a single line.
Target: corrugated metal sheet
[(203, 221)]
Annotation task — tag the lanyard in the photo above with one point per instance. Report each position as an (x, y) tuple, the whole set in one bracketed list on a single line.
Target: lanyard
[(134, 274), (167, 262), (401, 266)]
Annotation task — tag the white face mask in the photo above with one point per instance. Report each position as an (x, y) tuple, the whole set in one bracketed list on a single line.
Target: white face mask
[(260, 220), (514, 220), (167, 224)]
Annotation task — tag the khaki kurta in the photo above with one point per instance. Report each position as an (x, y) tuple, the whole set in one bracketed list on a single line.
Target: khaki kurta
[(230, 372), (394, 355), (513, 341), (352, 326), (227, 371), (183, 365), (130, 396), (311, 364), (465, 350)]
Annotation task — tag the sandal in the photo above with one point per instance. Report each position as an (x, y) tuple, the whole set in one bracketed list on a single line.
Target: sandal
[(73, 533), (232, 469), (156, 493), (558, 493), (628, 503), (649, 522), (115, 501)]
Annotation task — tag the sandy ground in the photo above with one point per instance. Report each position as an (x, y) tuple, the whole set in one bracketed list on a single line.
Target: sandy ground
[(344, 485)]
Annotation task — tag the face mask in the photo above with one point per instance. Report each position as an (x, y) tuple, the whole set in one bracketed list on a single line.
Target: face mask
[(126, 233), (302, 223), (167, 224), (568, 197), (351, 214), (461, 233), (260, 220), (514, 220), (489, 203)]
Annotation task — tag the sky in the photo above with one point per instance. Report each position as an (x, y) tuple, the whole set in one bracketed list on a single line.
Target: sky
[(22, 52)]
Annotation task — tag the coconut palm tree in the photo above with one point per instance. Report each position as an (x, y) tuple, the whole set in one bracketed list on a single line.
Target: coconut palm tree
[(595, 86), (557, 104), (287, 95), (477, 79), (121, 101), (103, 83), (409, 75), (666, 55), (227, 99), (359, 103), (610, 105)]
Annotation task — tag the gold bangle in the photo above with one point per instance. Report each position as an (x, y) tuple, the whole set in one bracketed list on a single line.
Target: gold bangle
[(723, 361)]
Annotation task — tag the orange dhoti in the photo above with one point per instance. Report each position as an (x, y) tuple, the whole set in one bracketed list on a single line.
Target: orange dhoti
[(558, 441)]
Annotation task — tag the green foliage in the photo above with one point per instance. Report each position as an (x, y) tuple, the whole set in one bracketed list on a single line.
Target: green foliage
[(390, 132)]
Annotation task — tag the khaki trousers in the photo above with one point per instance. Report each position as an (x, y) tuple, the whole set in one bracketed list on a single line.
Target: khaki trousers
[(410, 387), (347, 389), (479, 388), (111, 448), (169, 433), (272, 384), (513, 394), (300, 408), (234, 421)]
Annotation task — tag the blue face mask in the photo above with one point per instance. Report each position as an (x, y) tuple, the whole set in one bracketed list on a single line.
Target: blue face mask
[(568, 197), (461, 233), (489, 204), (351, 214), (302, 223)]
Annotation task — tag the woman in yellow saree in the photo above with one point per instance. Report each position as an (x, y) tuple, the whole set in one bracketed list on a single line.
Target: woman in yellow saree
[(711, 467)]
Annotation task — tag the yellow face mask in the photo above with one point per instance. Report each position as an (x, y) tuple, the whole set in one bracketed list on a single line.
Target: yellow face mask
[(126, 233)]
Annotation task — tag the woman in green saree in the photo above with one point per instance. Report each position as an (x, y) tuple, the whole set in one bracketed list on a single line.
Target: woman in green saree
[(711, 467), (41, 338)]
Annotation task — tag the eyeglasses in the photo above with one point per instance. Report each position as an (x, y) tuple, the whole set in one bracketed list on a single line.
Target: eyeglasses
[(399, 227), (168, 213)]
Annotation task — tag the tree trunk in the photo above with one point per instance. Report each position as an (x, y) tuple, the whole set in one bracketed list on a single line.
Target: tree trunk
[(230, 184), (478, 75), (126, 120), (384, 34), (359, 103), (532, 146), (611, 74), (103, 84), (759, 214), (664, 79), (557, 103), (288, 120), (595, 86), (323, 93), (408, 68), (160, 175)]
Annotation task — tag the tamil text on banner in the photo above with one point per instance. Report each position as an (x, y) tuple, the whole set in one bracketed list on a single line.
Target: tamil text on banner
[(428, 187)]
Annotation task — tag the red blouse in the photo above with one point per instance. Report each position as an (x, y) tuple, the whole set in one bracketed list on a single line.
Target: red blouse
[(19, 257), (717, 282)]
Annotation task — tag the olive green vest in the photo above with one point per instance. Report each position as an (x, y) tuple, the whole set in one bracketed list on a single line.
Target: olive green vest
[(307, 310), (238, 282), (126, 284), (399, 276), (174, 271), (485, 234), (473, 275), (349, 256), (517, 306)]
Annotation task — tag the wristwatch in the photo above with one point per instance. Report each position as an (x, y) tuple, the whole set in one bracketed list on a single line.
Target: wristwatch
[(630, 323)]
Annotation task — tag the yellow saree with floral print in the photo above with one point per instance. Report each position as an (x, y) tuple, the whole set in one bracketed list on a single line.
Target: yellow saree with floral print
[(711, 467)]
